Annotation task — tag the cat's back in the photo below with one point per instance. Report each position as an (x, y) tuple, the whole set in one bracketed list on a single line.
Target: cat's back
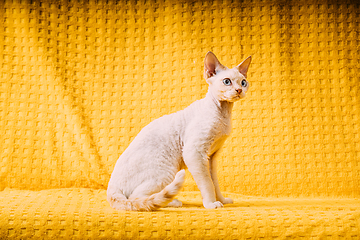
[(176, 121), (156, 147), (164, 130)]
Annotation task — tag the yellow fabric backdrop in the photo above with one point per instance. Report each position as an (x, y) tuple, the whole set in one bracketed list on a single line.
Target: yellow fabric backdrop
[(79, 79)]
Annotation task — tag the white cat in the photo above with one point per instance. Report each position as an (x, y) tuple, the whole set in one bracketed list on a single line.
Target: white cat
[(147, 176)]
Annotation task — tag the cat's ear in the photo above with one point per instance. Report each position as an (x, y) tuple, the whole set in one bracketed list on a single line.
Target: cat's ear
[(244, 66), (212, 65)]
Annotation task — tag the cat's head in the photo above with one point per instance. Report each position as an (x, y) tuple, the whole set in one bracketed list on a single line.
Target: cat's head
[(226, 84)]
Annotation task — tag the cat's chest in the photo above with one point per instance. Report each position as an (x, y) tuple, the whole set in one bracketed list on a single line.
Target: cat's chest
[(221, 130), (217, 144), (207, 125)]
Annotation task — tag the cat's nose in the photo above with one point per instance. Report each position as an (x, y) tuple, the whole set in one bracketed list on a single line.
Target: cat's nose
[(239, 90)]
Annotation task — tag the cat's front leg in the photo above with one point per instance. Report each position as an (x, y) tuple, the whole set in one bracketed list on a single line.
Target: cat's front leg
[(198, 165), (213, 172)]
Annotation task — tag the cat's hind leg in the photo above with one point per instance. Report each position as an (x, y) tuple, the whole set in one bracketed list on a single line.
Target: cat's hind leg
[(175, 203), (140, 200), (156, 183), (147, 188)]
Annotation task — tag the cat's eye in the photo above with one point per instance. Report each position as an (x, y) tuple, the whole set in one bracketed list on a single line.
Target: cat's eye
[(244, 83), (227, 82)]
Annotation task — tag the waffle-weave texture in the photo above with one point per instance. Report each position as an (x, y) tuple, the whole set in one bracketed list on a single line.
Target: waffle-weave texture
[(79, 79), (85, 214)]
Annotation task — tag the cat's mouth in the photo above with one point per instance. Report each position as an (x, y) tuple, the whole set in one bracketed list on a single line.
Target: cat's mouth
[(234, 98), (238, 96)]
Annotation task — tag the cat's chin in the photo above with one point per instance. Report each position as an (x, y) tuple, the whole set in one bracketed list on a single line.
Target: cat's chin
[(235, 99), (231, 100)]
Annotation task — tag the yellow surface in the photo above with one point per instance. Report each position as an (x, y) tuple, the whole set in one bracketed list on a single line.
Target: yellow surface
[(85, 213), (79, 79)]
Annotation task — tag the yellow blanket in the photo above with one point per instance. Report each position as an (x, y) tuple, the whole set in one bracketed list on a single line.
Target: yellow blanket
[(85, 213), (79, 79)]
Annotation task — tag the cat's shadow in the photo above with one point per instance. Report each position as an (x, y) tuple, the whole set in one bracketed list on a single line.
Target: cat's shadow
[(267, 203), (197, 205)]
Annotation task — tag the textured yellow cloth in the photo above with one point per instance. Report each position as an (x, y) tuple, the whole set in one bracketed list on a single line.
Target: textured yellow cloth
[(85, 213), (79, 79)]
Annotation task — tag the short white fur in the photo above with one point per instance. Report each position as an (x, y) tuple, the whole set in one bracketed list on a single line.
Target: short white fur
[(147, 175)]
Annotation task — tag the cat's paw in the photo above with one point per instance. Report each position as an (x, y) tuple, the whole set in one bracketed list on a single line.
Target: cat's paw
[(227, 201), (175, 203), (213, 205)]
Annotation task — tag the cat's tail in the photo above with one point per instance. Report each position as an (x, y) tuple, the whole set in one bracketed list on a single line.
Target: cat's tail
[(154, 201)]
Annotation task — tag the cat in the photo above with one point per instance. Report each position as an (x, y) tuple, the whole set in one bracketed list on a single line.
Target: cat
[(150, 172)]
